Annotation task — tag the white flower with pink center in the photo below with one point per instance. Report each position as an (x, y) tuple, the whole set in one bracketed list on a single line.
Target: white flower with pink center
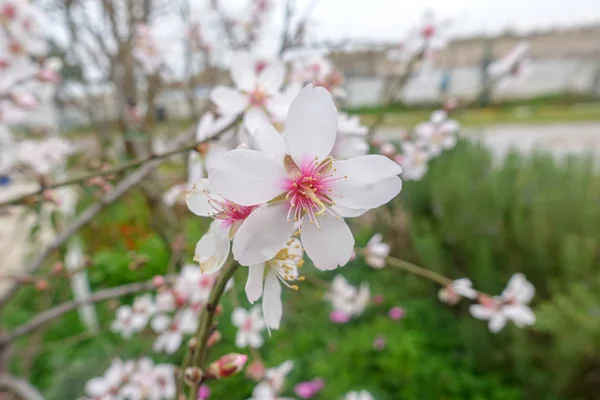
[(250, 325), (414, 161), (298, 183), (376, 251), (438, 134), (459, 288), (346, 299), (212, 249), (512, 305), (257, 95)]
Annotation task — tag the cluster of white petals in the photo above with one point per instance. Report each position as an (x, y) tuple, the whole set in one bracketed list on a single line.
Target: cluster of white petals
[(172, 313), (376, 251), (272, 385), (250, 326), (347, 300), (46, 155), (452, 293), (511, 305), (133, 380), (362, 395)]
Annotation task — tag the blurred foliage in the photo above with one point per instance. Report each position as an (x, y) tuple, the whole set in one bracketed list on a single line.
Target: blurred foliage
[(471, 217)]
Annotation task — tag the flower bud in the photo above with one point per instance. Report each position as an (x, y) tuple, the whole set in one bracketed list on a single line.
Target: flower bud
[(41, 285), (219, 310), (58, 267), (228, 365), (192, 375), (256, 371), (158, 281), (203, 392), (213, 339), (192, 344), (448, 295)]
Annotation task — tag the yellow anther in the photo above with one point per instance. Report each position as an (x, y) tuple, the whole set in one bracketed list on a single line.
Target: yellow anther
[(295, 287)]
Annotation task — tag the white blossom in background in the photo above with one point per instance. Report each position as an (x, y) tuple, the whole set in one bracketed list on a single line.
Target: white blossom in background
[(313, 67), (282, 269), (124, 323), (147, 50), (376, 251), (133, 380), (452, 293), (437, 134), (258, 96), (302, 185), (44, 156), (511, 65), (414, 160), (351, 140), (250, 326), (172, 330), (347, 299), (272, 385), (362, 395), (512, 305), (213, 248)]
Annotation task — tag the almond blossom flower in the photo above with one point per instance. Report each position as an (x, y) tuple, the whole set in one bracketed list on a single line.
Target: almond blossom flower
[(212, 249), (438, 134), (257, 95), (303, 185), (127, 322), (362, 395), (281, 269), (413, 160), (376, 251), (250, 325), (452, 293), (44, 156), (172, 331), (106, 386), (346, 299), (272, 386), (511, 305)]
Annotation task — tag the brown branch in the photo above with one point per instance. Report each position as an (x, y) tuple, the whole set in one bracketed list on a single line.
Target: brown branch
[(54, 313), (23, 389), (130, 181)]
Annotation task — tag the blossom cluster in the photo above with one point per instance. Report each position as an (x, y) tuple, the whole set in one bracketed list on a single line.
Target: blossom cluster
[(140, 379), (172, 313)]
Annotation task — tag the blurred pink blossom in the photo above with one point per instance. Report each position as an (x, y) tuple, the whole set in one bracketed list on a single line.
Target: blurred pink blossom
[(307, 390), (396, 313), (339, 317)]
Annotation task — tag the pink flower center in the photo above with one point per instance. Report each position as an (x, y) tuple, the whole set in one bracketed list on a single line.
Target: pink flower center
[(259, 66), (228, 211), (428, 31), (9, 11), (247, 325), (308, 189), (257, 98)]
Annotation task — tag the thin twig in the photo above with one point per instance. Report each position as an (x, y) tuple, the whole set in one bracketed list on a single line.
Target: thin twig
[(20, 387), (53, 313), (416, 270)]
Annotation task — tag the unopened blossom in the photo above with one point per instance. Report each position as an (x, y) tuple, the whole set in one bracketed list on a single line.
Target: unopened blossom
[(212, 249), (513, 305), (281, 269), (414, 161), (351, 140), (302, 186), (272, 386), (256, 370), (376, 251), (362, 395), (250, 325), (256, 95), (346, 298), (227, 365), (308, 390), (452, 293), (438, 134)]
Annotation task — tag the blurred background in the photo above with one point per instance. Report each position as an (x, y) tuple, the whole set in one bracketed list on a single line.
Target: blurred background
[(519, 193)]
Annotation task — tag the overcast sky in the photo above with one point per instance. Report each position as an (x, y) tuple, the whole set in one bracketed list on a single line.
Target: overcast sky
[(390, 19)]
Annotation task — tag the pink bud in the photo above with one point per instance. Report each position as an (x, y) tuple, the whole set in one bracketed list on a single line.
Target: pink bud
[(339, 317), (377, 299), (203, 392), (228, 365), (396, 313), (307, 390), (256, 371), (379, 343), (158, 281)]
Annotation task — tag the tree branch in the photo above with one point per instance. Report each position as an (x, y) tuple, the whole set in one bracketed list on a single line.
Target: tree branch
[(23, 389)]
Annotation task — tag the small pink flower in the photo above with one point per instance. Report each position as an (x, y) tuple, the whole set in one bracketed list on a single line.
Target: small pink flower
[(307, 390), (203, 392), (379, 343), (339, 317), (396, 313), (377, 299)]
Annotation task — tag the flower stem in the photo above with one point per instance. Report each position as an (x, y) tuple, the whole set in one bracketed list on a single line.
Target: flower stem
[(205, 323), (416, 270)]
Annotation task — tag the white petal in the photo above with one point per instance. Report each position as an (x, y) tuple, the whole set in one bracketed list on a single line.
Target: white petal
[(497, 322), (367, 196), (270, 142), (160, 323), (480, 312), (205, 125), (367, 169), (172, 343), (213, 249), (262, 234), (239, 316), (254, 119), (242, 71), (241, 339), (255, 340), (329, 246), (198, 201), (520, 314), (247, 177), (278, 106), (349, 212), (254, 284), (311, 125), (271, 78), (229, 101), (272, 307)]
